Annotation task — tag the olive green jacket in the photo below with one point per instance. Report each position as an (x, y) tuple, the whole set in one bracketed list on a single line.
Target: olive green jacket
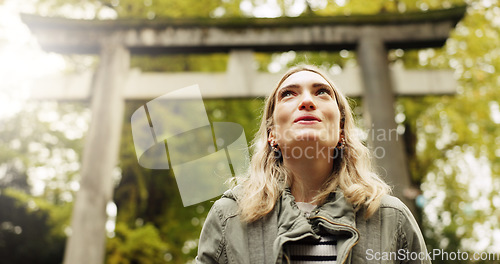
[(391, 235)]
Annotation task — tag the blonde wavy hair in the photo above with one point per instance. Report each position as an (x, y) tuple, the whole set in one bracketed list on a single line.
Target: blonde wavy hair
[(352, 173)]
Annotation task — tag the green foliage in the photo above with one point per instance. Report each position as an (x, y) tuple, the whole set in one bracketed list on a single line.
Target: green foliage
[(152, 196), (148, 9), (38, 159), (180, 63), (139, 245), (356, 7), (166, 8), (245, 112), (31, 229), (151, 9), (323, 59), (58, 215), (39, 139), (457, 147)]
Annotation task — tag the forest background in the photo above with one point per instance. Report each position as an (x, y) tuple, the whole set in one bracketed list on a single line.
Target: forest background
[(452, 140)]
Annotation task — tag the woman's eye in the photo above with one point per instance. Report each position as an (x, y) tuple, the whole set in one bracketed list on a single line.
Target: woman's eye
[(286, 94), (323, 91)]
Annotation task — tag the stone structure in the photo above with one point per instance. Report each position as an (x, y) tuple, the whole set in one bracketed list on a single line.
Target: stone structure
[(115, 41), (148, 85)]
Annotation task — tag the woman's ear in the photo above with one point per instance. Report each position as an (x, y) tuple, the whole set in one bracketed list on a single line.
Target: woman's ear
[(270, 136), (342, 121), (273, 144)]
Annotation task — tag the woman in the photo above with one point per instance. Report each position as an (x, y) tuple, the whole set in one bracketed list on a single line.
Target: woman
[(311, 196)]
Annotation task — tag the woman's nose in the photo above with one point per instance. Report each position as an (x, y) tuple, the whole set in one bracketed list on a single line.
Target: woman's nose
[(307, 102)]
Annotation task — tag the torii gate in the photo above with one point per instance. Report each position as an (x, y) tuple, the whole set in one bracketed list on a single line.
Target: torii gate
[(115, 40)]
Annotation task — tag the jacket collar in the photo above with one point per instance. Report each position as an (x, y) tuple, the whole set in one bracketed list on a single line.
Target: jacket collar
[(335, 216), (336, 208)]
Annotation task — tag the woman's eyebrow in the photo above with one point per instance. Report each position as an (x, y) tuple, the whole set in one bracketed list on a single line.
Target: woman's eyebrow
[(314, 85), (320, 85), (291, 86)]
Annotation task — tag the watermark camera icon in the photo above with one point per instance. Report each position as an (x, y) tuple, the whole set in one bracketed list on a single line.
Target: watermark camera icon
[(173, 132)]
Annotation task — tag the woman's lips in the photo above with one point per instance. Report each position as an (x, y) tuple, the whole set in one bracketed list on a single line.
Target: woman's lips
[(307, 119), (307, 122)]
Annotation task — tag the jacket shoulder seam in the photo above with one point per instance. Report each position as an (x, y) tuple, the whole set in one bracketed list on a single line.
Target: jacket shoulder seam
[(226, 208), (394, 203), (403, 212)]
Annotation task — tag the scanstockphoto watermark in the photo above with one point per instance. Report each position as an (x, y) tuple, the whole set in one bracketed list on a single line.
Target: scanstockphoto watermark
[(371, 134), (311, 152), (435, 254), (380, 134)]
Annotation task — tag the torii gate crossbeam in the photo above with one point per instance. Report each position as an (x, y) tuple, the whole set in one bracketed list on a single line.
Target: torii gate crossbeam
[(410, 30)]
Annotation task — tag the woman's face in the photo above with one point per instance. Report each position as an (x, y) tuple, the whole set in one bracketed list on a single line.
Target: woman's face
[(305, 112)]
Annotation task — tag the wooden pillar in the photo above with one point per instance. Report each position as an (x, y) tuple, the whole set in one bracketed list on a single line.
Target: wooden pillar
[(86, 243), (378, 102)]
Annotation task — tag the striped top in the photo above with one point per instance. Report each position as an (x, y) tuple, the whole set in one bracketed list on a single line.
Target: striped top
[(304, 251), (313, 252)]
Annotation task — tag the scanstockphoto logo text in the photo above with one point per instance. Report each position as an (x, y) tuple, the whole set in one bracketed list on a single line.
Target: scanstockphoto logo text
[(435, 254), (379, 135), (371, 134), (315, 151)]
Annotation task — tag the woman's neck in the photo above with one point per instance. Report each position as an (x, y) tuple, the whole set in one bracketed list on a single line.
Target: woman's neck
[(309, 175)]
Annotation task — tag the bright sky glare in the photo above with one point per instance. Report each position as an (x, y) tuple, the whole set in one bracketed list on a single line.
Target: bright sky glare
[(21, 60)]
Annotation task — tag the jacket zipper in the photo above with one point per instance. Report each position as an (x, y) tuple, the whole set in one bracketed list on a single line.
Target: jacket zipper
[(287, 258), (348, 227)]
